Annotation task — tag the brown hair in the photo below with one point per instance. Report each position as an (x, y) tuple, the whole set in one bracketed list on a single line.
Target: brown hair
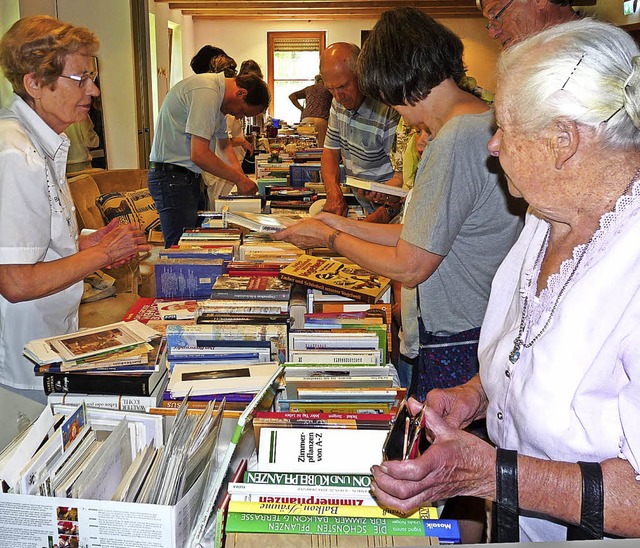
[(40, 45)]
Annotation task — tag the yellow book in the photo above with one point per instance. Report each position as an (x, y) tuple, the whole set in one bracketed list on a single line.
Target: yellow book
[(372, 511)]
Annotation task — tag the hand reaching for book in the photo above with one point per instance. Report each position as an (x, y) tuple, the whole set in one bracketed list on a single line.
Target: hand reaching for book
[(305, 234)]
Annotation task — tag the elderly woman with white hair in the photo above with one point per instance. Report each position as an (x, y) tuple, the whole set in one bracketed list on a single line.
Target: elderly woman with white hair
[(559, 380)]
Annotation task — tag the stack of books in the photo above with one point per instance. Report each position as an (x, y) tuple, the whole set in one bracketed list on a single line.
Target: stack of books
[(228, 360), (120, 365), (302, 486)]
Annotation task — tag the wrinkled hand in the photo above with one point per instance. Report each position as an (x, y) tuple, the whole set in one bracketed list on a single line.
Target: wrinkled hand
[(94, 238), (457, 463), (305, 234), (121, 243), (337, 206), (460, 405)]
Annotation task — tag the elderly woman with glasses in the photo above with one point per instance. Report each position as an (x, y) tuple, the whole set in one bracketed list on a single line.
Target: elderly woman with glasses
[(43, 259), (559, 351)]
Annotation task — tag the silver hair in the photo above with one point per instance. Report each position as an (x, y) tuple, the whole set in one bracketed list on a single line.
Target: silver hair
[(586, 71)]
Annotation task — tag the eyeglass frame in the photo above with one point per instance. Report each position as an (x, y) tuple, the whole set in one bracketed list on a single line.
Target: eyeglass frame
[(496, 17), (82, 79)]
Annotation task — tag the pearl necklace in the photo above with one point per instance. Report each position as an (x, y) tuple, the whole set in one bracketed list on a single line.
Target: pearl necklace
[(518, 342)]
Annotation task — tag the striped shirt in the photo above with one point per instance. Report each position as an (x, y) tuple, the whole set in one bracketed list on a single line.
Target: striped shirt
[(364, 138)]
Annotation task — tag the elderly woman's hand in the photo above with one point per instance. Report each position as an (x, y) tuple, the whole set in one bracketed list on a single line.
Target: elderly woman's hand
[(120, 243), (305, 234), (461, 405), (457, 463)]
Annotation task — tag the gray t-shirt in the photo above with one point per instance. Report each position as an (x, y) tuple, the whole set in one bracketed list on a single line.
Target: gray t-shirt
[(459, 209), (192, 107)]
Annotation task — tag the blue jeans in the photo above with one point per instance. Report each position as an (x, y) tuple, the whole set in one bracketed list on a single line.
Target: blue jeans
[(176, 196)]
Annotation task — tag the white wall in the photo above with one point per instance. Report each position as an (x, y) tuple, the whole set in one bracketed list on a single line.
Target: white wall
[(111, 21), (248, 39)]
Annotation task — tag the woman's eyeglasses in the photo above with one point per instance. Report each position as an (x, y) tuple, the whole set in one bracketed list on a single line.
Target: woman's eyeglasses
[(82, 79), (495, 22)]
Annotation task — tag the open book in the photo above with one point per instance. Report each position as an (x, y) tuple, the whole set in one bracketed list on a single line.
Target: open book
[(376, 187), (262, 222)]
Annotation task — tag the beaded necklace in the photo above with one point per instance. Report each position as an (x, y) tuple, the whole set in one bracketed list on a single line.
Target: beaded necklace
[(518, 342)]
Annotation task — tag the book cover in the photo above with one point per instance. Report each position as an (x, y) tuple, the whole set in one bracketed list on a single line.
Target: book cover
[(251, 287), (319, 450), (312, 480), (205, 334), (143, 310), (446, 531), (127, 384), (341, 382), (376, 187), (253, 268), (341, 510), (177, 310), (262, 222), (199, 379), (336, 277), (186, 278), (303, 358), (210, 253), (305, 540), (112, 401)]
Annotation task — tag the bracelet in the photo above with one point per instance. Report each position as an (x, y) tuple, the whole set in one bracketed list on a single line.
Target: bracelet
[(331, 242), (592, 509), (505, 526)]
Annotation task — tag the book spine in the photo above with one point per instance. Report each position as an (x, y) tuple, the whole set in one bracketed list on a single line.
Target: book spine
[(342, 510), (329, 289), (302, 493), (121, 403), (130, 385), (241, 522), (248, 294), (325, 416), (312, 480)]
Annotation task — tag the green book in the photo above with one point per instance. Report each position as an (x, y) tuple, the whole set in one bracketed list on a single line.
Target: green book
[(447, 531)]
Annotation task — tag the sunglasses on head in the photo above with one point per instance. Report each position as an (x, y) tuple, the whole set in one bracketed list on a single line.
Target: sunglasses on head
[(406, 439)]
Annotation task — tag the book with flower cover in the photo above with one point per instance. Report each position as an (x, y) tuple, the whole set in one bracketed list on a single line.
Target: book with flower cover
[(348, 280)]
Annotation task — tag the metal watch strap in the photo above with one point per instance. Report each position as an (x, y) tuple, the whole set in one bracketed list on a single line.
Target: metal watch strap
[(592, 509), (506, 526)]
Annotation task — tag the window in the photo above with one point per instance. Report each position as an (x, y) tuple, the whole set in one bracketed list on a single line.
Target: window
[(294, 60)]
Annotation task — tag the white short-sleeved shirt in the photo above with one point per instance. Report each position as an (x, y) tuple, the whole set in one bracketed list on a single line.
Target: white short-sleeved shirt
[(574, 395), (192, 107), (37, 223)]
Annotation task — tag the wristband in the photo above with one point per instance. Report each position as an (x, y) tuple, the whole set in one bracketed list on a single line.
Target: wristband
[(506, 527), (592, 508), (331, 242)]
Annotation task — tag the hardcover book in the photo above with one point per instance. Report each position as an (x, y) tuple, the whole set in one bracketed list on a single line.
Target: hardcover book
[(186, 278), (319, 450), (251, 287), (335, 277), (262, 222)]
